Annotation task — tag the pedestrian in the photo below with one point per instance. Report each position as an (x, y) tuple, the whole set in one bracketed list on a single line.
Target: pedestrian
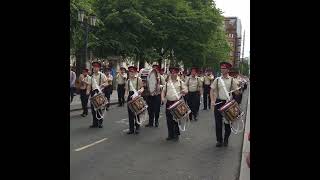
[(133, 84), (108, 89), (172, 92), (121, 79), (84, 92), (72, 83), (207, 80), (195, 91), (98, 81), (218, 95), (155, 99)]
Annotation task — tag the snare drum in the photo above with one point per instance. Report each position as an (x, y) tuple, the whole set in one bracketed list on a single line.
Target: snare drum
[(137, 105), (98, 100), (231, 111), (179, 110)]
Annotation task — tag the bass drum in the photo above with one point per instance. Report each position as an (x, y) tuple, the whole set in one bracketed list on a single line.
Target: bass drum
[(152, 82)]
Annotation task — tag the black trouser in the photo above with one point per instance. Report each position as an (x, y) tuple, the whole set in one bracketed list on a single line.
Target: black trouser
[(237, 98), (72, 90), (173, 128), (120, 90), (84, 100), (206, 95), (154, 109), (95, 121), (194, 103), (219, 121), (107, 93), (132, 116)]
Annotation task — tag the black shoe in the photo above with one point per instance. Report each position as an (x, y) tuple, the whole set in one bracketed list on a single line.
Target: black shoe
[(93, 126), (157, 124), (195, 118), (219, 144), (225, 143), (100, 126), (130, 132), (204, 109), (149, 125), (83, 115), (169, 138), (136, 132), (176, 138)]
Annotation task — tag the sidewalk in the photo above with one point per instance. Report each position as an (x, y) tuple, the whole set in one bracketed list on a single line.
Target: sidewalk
[(244, 169), (76, 103)]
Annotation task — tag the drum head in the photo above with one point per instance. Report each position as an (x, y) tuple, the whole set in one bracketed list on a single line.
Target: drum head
[(152, 81)]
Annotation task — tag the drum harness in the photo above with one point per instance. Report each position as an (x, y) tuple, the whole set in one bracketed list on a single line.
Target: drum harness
[(234, 130), (186, 118), (100, 91), (143, 114)]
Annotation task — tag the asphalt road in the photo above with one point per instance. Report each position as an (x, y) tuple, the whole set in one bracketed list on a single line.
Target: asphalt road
[(110, 154)]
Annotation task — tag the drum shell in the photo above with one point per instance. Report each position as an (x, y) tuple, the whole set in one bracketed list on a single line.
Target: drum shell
[(98, 100), (231, 110), (137, 105)]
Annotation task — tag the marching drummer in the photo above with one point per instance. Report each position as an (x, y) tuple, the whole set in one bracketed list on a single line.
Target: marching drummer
[(218, 95), (194, 85), (155, 100), (84, 94), (121, 79), (108, 89), (98, 81), (207, 80), (172, 91), (133, 87), (235, 74)]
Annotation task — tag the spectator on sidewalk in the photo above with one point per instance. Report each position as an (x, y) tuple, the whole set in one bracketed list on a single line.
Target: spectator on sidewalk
[(72, 83), (84, 92)]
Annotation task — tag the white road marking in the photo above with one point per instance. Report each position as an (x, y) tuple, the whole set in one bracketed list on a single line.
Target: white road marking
[(125, 130), (92, 144)]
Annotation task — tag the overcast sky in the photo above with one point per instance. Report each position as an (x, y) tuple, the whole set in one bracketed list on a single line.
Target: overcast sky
[(240, 9)]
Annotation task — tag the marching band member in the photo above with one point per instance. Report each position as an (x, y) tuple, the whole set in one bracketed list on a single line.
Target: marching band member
[(134, 87), (194, 86), (108, 89), (98, 80), (207, 80), (235, 74), (217, 94), (155, 100), (84, 96), (171, 95), (121, 79)]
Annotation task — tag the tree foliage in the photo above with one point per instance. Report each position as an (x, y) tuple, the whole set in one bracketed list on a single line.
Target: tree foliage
[(187, 31)]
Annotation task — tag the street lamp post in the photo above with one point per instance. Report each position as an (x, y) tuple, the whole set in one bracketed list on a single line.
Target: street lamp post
[(86, 21)]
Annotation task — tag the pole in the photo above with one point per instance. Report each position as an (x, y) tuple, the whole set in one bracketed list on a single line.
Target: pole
[(244, 36), (86, 46)]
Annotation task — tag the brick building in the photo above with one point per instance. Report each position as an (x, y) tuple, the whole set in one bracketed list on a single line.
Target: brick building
[(233, 30)]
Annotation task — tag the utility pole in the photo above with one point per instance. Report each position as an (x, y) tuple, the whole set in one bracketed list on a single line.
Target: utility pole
[(244, 37)]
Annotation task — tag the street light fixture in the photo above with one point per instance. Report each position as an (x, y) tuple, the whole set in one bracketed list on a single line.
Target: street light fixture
[(86, 21), (81, 15)]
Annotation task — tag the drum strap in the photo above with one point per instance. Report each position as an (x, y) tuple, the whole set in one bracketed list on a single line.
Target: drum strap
[(95, 81), (197, 83), (224, 87)]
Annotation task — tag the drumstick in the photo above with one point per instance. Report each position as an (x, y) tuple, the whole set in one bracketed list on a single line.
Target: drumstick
[(218, 103), (234, 90)]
